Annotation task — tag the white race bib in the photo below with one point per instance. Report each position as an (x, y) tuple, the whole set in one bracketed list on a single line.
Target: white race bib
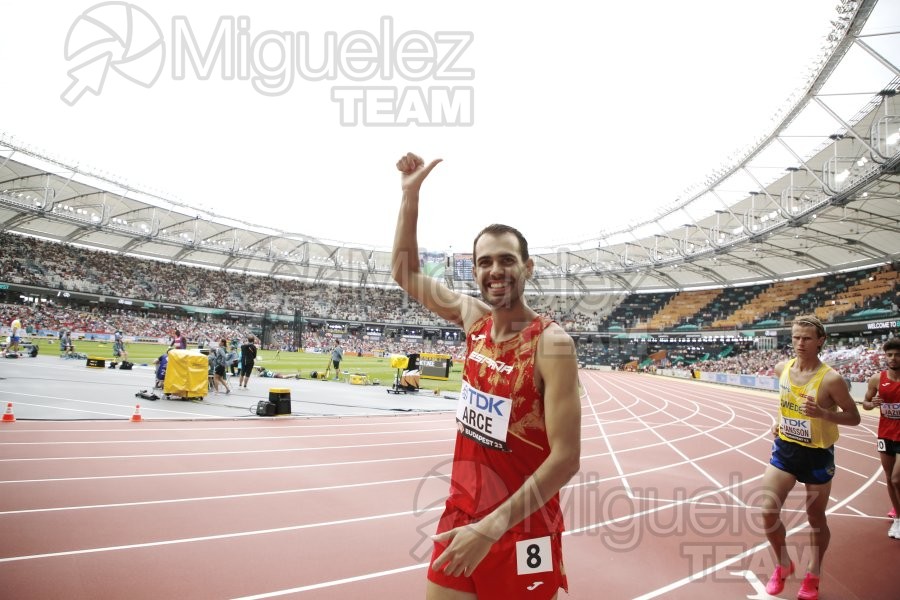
[(795, 429), (890, 410), (483, 417), (534, 556)]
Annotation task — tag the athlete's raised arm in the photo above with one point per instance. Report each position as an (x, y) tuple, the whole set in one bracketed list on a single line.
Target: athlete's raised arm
[(446, 303)]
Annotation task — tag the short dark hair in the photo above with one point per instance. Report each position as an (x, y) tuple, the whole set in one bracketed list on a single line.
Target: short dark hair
[(892, 344), (497, 229)]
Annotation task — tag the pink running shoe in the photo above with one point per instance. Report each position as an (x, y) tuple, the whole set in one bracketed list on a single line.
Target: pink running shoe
[(809, 590), (776, 581), (892, 513)]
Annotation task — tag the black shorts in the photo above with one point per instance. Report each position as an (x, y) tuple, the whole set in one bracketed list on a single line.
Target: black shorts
[(220, 371), (336, 363), (888, 446), (808, 465), (246, 369)]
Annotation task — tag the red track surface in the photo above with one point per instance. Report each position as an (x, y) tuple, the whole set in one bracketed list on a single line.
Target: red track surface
[(341, 508)]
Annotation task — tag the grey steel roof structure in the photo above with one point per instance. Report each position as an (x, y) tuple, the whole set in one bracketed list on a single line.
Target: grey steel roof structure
[(818, 193)]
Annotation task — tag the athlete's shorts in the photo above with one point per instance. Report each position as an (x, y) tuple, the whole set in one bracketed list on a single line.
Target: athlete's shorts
[(336, 363), (889, 446), (808, 465), (517, 566), (14, 339)]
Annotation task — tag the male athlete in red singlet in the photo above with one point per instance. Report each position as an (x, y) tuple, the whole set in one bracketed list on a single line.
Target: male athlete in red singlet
[(884, 393), (518, 419)]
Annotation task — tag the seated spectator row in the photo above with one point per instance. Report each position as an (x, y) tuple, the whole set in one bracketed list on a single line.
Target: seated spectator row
[(841, 296)]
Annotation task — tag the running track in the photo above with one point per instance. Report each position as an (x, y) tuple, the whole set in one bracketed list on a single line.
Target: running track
[(341, 508)]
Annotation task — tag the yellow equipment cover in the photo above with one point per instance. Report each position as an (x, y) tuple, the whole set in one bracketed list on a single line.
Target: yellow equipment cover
[(399, 361), (187, 374)]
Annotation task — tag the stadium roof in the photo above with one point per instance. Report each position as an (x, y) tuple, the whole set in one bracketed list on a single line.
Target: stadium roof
[(819, 193)]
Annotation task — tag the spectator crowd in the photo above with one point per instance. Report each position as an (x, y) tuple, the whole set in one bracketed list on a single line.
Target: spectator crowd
[(153, 286)]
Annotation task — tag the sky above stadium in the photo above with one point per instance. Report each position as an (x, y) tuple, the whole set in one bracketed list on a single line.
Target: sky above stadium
[(563, 120)]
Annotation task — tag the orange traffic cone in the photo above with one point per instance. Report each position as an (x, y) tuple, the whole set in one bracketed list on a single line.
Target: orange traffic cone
[(136, 417), (8, 416)]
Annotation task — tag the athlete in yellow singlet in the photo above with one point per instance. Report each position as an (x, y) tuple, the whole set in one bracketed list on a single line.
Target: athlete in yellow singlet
[(814, 400), (793, 424)]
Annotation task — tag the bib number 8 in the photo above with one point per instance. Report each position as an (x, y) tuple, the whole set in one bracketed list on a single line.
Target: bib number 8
[(534, 556)]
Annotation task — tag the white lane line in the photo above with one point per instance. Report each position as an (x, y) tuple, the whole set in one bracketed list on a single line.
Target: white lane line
[(222, 471), (223, 453), (187, 427), (221, 536), (224, 497), (218, 439), (125, 407), (697, 411), (612, 453), (764, 546), (327, 584)]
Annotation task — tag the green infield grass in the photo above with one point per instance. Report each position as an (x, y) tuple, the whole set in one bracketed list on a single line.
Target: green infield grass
[(289, 363)]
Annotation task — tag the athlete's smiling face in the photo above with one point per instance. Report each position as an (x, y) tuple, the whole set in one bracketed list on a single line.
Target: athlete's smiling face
[(499, 269)]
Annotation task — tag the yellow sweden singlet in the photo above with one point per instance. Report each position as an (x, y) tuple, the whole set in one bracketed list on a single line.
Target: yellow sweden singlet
[(794, 425)]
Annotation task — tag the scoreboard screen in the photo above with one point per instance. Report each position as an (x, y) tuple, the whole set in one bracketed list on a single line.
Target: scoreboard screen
[(462, 267), (435, 366), (433, 264)]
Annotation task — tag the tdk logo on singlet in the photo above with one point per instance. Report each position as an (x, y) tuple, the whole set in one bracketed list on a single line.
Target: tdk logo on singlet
[(497, 366), (891, 410), (796, 429), (480, 417), (484, 402)]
